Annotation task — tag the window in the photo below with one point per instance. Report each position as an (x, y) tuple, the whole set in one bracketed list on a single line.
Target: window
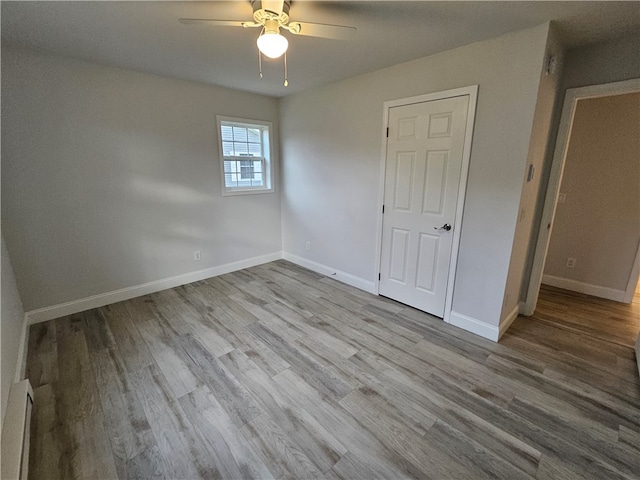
[(246, 156)]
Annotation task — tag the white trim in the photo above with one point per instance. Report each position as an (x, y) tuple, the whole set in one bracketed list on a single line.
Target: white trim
[(21, 365), (472, 92), (638, 352), (473, 325), (462, 191), (587, 288), (506, 323), (555, 176), (381, 182), (16, 431), (95, 301), (343, 277), (634, 278), (429, 97)]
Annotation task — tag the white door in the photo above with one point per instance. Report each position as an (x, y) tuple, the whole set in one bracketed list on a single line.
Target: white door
[(424, 158)]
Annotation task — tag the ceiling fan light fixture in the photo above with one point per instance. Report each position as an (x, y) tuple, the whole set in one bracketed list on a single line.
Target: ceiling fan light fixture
[(272, 44)]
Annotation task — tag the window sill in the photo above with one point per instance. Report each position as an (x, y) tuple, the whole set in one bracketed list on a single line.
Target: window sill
[(233, 193)]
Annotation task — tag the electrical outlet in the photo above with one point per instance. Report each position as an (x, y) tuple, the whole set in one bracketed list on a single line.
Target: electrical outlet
[(196, 255), (307, 246), (571, 262), (562, 197)]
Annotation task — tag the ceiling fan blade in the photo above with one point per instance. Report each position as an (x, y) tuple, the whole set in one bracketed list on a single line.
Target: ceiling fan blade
[(217, 23), (337, 32)]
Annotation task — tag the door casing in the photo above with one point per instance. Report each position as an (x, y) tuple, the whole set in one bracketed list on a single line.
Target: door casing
[(472, 92)]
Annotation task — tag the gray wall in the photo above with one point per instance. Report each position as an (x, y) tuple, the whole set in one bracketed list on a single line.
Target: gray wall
[(110, 178), (599, 222), (331, 149), (11, 324), (533, 192), (607, 62)]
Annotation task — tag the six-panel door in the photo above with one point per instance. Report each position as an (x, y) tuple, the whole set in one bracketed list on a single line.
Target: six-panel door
[(424, 158)]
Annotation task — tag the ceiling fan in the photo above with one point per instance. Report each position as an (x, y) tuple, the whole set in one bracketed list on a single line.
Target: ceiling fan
[(272, 15)]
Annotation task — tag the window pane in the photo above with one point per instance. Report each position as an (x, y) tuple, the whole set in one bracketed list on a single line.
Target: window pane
[(239, 134), (253, 135), (255, 149), (246, 169), (228, 166), (227, 181), (227, 149), (241, 149), (227, 133), (257, 180)]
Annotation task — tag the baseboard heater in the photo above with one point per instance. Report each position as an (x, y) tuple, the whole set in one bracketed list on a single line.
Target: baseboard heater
[(15, 432)]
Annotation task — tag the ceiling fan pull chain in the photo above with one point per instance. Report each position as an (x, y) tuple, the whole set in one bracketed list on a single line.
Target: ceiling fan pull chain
[(286, 81), (260, 54)]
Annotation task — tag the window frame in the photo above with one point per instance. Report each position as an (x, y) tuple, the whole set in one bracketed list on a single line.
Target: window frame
[(266, 129)]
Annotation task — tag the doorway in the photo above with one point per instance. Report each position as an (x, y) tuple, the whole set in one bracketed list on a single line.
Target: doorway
[(556, 200), (425, 164)]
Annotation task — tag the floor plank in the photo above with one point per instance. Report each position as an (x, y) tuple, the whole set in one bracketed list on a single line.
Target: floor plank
[(278, 372)]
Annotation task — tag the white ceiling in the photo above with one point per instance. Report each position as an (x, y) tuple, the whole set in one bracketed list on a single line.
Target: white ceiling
[(147, 37)]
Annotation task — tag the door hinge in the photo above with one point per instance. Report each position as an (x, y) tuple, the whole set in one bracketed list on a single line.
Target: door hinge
[(383, 209), (379, 277), (387, 132)]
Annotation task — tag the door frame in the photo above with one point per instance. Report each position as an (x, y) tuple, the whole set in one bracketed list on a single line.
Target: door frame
[(572, 96), (634, 278), (472, 92)]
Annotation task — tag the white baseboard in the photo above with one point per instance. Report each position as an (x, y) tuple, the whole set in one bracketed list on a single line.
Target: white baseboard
[(21, 365), (473, 325), (343, 277), (506, 323), (580, 287), (95, 301)]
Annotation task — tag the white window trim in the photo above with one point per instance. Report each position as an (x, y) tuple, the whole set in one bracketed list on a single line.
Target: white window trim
[(268, 164)]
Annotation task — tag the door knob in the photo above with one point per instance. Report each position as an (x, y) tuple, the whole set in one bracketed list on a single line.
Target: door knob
[(446, 227)]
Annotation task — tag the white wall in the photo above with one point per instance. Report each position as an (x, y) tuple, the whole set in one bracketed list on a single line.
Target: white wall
[(533, 192), (599, 222), (331, 150), (11, 328), (110, 178)]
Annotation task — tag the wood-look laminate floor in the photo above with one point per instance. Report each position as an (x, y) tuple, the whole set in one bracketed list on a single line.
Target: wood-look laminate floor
[(592, 316), (276, 372)]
